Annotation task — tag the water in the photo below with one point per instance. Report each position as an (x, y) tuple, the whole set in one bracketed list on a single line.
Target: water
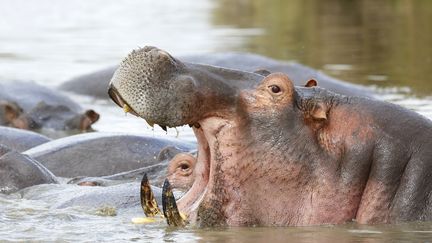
[(385, 44)]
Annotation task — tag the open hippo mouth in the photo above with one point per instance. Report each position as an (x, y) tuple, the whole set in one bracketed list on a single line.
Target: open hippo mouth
[(257, 159), (159, 88), (206, 131)]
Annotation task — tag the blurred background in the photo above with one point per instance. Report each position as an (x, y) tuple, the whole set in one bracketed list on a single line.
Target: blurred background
[(384, 43)]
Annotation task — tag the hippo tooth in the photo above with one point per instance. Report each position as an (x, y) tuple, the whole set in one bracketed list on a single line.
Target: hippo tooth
[(148, 201), (149, 122), (126, 108), (169, 205), (163, 128)]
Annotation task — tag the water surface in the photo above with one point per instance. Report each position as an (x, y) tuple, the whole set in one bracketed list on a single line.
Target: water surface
[(381, 43)]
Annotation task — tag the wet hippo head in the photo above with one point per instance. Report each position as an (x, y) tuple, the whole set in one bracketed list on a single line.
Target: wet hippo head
[(133, 85), (269, 153), (180, 171), (43, 115), (244, 123)]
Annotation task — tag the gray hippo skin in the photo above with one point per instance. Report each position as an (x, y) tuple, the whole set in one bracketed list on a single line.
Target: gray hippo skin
[(20, 140), (124, 198), (27, 105), (102, 154), (19, 171), (94, 84), (271, 153), (174, 165)]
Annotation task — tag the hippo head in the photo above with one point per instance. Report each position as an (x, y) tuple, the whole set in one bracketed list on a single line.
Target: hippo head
[(180, 171), (46, 116), (248, 127)]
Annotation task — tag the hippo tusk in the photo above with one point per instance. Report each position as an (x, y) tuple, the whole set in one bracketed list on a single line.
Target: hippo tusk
[(148, 201), (149, 122), (169, 205), (163, 128), (126, 108)]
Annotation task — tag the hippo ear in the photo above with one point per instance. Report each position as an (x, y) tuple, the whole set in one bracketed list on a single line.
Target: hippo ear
[(311, 83), (263, 72), (10, 110), (168, 152), (92, 115), (319, 112), (89, 117)]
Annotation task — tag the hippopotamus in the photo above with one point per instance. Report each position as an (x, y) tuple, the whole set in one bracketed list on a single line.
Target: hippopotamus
[(122, 198), (177, 166), (180, 171), (19, 171), (100, 154), (27, 105), (20, 140), (94, 84), (274, 154)]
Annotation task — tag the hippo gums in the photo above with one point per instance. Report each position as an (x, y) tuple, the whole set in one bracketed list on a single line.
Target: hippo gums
[(271, 153), (27, 105)]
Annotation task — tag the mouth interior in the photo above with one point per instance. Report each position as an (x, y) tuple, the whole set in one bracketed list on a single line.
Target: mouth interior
[(191, 200)]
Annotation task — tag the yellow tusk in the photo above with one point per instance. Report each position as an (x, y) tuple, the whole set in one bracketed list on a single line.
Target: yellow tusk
[(126, 108), (183, 216)]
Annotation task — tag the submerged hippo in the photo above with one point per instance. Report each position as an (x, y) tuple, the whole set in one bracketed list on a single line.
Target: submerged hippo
[(120, 197), (270, 153), (27, 105), (175, 165), (180, 171), (19, 171), (94, 84), (102, 154), (20, 140), (116, 199)]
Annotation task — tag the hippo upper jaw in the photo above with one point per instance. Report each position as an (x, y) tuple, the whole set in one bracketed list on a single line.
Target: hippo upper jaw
[(165, 91)]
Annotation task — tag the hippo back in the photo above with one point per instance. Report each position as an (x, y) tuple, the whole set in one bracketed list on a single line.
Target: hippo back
[(29, 94), (297, 72), (92, 84), (19, 171), (101, 154), (95, 84), (20, 140)]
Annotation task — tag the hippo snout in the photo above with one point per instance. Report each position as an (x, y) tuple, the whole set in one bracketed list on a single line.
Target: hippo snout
[(147, 83), (165, 91)]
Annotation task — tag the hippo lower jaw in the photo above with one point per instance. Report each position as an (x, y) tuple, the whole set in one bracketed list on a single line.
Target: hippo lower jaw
[(207, 132)]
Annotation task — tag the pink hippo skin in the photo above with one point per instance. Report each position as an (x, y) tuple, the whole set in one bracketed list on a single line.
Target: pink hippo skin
[(180, 171), (273, 154)]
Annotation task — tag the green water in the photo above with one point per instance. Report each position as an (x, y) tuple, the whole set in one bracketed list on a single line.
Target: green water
[(386, 43)]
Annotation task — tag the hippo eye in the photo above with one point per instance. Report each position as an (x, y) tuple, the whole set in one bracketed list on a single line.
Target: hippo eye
[(275, 89), (184, 166)]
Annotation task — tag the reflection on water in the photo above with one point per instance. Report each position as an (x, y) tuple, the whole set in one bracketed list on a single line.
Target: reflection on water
[(385, 43)]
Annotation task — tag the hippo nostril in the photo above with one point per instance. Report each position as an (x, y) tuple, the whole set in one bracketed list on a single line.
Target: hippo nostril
[(115, 96), (112, 92)]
